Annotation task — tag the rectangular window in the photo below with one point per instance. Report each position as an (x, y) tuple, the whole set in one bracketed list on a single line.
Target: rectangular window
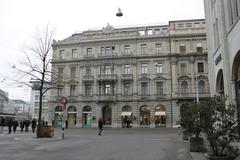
[(107, 88), (127, 68), (73, 72), (127, 89), (60, 91), (127, 49), (200, 67), (159, 88), (150, 32), (60, 73), (88, 70), (182, 48), (142, 33), (199, 48), (102, 50), (158, 48), (144, 87), (72, 90), (107, 70), (108, 51), (144, 68), (159, 67), (183, 68), (89, 52), (157, 31), (61, 54), (88, 89), (143, 49), (74, 53)]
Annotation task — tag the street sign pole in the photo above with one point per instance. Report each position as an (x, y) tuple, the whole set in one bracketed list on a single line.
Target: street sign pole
[(63, 102)]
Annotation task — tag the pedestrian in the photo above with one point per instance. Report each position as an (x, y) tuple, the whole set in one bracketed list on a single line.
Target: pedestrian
[(66, 124), (26, 124), (21, 126), (53, 123), (34, 124), (2, 123), (10, 123), (15, 125), (100, 126)]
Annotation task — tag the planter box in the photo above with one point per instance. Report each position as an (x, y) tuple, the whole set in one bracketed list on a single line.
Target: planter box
[(210, 157), (47, 131), (196, 144), (186, 135)]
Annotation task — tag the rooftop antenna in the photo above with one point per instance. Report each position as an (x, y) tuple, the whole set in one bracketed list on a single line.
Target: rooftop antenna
[(119, 13)]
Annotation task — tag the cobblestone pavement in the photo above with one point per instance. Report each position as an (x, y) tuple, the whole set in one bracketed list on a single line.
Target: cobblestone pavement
[(85, 144)]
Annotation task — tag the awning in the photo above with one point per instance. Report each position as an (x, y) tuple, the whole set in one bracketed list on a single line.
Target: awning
[(126, 113), (160, 113)]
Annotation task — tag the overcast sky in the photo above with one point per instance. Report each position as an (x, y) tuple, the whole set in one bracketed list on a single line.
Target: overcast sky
[(19, 18)]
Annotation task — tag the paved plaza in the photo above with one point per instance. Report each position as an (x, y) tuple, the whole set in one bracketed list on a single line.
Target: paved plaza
[(85, 144)]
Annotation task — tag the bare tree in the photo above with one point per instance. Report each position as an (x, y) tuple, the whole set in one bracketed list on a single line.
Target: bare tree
[(35, 70)]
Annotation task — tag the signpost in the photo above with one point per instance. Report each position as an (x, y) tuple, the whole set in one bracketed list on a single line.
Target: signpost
[(63, 102)]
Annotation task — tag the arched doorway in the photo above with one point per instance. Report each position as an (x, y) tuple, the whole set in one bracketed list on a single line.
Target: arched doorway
[(145, 116), (87, 116), (126, 116), (107, 116), (58, 115), (72, 115), (236, 78), (220, 83), (160, 116)]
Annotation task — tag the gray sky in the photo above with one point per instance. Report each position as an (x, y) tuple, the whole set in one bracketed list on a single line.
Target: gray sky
[(19, 18)]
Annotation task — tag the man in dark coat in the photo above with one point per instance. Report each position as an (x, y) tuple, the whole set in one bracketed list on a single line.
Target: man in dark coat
[(34, 124), (100, 126), (10, 123), (2, 123), (22, 125), (15, 125)]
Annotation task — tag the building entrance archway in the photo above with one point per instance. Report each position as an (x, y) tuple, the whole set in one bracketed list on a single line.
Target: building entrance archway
[(72, 115), (160, 116), (145, 119), (57, 115), (126, 116), (87, 116), (107, 115)]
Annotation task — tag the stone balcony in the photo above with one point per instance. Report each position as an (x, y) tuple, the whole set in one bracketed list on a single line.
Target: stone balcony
[(87, 78), (107, 98), (127, 77), (110, 77)]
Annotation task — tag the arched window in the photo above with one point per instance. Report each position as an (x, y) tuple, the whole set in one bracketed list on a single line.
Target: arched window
[(201, 86), (184, 87)]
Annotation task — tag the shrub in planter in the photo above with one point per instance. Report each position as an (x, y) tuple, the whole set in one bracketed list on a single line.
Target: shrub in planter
[(220, 128), (191, 123)]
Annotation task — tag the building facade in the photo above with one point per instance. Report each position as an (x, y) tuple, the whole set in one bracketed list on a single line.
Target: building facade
[(223, 25), (140, 75), (6, 105), (34, 104)]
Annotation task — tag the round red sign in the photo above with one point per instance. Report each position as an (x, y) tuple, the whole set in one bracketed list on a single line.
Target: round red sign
[(64, 100)]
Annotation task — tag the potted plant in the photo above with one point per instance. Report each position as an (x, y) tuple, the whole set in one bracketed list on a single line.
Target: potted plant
[(191, 123), (220, 128)]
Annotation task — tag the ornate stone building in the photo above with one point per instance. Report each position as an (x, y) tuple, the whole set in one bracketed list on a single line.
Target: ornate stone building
[(223, 25), (137, 74)]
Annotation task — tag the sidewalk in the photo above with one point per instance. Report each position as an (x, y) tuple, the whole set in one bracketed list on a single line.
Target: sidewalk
[(198, 156)]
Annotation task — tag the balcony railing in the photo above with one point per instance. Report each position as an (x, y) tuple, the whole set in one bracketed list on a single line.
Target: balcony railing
[(88, 78), (127, 77), (107, 97), (193, 95), (161, 96), (110, 77), (88, 56)]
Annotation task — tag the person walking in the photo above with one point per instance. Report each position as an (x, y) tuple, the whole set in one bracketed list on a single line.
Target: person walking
[(21, 126), (10, 123), (26, 124), (66, 124), (2, 124), (15, 125), (100, 126), (34, 125)]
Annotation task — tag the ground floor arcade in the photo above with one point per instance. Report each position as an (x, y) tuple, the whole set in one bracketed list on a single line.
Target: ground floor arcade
[(132, 114)]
